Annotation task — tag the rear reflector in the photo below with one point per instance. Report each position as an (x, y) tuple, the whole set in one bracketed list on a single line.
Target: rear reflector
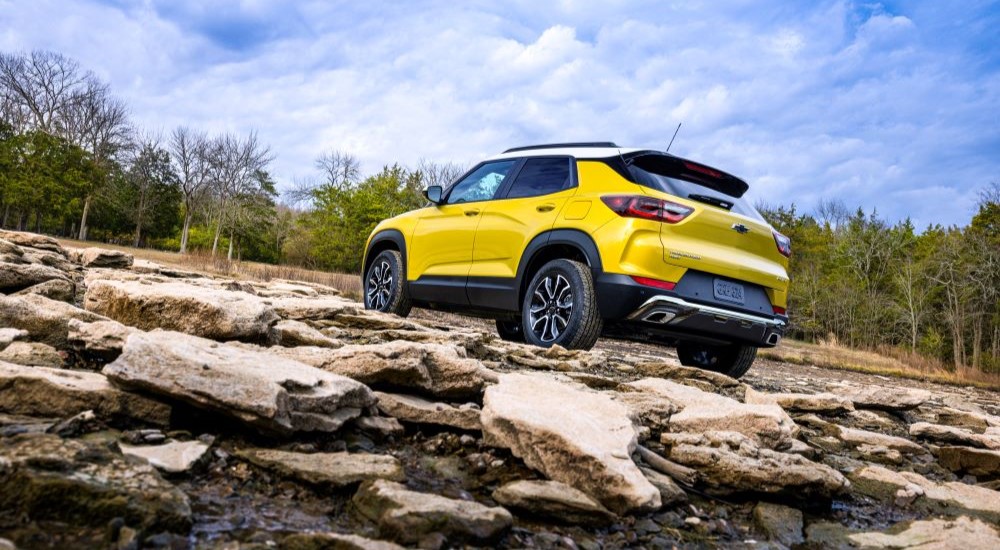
[(778, 310), (647, 208), (655, 283)]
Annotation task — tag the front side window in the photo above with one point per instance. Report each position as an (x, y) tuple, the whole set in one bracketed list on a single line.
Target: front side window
[(541, 176), (482, 183)]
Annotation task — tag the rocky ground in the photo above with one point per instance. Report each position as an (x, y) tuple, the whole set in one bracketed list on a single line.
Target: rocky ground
[(146, 407)]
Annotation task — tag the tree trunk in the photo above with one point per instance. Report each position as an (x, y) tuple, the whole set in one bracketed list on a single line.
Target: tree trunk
[(185, 231), (229, 256), (83, 219), (6, 214), (218, 233), (977, 341)]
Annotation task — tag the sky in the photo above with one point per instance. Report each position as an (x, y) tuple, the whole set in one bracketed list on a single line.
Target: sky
[(892, 107)]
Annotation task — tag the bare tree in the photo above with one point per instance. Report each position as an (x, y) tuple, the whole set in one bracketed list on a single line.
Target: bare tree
[(43, 86), (235, 168), (339, 169), (439, 173), (192, 161), (832, 212)]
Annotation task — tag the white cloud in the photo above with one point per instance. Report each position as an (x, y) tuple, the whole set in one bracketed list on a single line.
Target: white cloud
[(827, 101)]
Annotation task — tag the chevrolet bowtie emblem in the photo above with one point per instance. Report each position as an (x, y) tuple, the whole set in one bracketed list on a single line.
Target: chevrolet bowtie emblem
[(740, 228)]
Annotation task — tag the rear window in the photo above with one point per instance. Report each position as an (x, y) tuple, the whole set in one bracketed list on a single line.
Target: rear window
[(541, 176), (694, 191)]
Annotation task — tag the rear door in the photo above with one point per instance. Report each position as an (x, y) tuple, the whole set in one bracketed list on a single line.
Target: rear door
[(527, 206)]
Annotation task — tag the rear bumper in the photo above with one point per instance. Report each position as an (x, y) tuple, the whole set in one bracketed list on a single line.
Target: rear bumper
[(636, 311), (677, 314)]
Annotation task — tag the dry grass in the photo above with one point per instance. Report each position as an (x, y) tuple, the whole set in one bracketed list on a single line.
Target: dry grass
[(887, 362), (348, 284)]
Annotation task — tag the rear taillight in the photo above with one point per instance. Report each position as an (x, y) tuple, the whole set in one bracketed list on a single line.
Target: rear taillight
[(784, 244), (648, 208), (655, 283), (778, 310)]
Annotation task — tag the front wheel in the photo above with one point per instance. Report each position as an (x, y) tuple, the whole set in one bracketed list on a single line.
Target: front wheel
[(733, 360), (560, 307), (385, 285)]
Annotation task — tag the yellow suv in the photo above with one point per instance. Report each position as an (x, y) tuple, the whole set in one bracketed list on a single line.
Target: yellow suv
[(563, 243)]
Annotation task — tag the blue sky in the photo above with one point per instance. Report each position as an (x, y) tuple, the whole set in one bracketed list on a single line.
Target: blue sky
[(893, 106)]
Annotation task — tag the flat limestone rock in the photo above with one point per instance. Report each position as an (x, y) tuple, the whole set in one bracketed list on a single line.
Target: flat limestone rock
[(436, 369), (982, 463), (91, 484), (670, 492), (781, 523), (730, 462), (14, 277), (8, 335), (34, 354), (194, 309), (315, 308), (856, 438), (334, 469), (417, 410), (33, 240), (55, 289), (826, 403), (44, 319), (932, 534), (571, 434), (955, 436), (553, 500), (888, 399), (264, 390), (102, 338), (884, 484), (701, 411), (407, 516), (296, 333), (41, 391), (172, 457), (334, 541), (102, 257)]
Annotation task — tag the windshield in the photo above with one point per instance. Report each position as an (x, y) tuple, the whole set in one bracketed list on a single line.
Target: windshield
[(694, 191)]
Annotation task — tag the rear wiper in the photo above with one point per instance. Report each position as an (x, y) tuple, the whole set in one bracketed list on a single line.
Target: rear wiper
[(711, 200)]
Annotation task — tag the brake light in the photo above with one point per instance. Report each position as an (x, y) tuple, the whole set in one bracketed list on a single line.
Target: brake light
[(784, 244), (655, 283), (703, 169), (647, 208), (778, 310)]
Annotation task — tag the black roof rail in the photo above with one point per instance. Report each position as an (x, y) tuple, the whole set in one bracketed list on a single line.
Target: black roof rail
[(562, 146)]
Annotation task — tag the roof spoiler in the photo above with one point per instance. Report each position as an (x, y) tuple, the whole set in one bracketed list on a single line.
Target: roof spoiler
[(665, 164)]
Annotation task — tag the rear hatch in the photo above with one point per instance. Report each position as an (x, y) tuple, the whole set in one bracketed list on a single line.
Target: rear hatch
[(724, 235)]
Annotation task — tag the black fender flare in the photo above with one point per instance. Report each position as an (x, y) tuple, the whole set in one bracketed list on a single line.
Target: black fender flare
[(394, 236), (570, 237)]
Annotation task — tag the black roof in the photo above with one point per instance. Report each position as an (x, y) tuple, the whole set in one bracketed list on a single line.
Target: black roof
[(563, 146)]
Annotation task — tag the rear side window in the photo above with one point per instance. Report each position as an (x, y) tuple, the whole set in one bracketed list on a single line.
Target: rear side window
[(541, 176), (482, 183)]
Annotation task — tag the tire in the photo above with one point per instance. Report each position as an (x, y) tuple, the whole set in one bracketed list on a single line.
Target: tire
[(510, 331), (562, 311), (385, 287), (733, 360)]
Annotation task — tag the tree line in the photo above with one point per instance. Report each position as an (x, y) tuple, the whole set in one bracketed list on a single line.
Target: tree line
[(863, 281), (72, 163)]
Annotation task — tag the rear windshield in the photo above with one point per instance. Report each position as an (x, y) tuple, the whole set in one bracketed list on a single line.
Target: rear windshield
[(694, 191)]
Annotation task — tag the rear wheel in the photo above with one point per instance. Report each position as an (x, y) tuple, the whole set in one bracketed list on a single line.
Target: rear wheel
[(560, 307), (385, 285), (733, 360), (510, 331)]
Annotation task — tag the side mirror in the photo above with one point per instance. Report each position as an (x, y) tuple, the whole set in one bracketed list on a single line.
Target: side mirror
[(433, 193)]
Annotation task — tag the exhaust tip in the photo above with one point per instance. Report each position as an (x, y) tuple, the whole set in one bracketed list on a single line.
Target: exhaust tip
[(773, 338), (659, 317)]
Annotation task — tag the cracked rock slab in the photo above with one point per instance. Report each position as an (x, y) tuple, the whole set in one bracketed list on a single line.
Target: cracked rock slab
[(571, 434), (264, 390), (333, 469), (42, 391), (888, 485), (417, 410), (553, 500), (173, 457), (407, 516)]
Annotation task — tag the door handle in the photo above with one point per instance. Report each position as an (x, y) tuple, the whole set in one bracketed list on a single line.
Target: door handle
[(471, 213), (545, 207)]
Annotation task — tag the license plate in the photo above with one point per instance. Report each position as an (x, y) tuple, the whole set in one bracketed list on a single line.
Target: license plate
[(728, 291)]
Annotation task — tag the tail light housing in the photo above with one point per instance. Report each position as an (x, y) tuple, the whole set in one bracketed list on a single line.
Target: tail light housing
[(647, 208), (655, 283), (783, 243), (778, 310)]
